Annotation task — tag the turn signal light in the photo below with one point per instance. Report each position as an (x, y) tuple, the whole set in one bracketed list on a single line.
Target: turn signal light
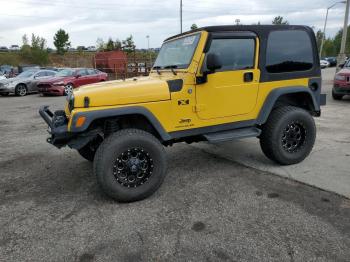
[(80, 121)]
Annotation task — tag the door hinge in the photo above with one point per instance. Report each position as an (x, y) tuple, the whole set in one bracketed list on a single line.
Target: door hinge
[(198, 108)]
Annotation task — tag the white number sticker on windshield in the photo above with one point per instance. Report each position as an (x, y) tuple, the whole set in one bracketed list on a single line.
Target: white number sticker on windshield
[(189, 40)]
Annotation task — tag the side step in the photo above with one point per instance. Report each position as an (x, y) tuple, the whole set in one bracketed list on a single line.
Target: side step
[(232, 134)]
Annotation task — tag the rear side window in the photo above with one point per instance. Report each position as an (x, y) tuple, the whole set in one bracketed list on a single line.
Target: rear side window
[(289, 51), (91, 72), (234, 54)]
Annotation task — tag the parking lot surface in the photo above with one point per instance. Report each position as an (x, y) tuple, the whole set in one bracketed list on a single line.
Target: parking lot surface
[(210, 207), (328, 166)]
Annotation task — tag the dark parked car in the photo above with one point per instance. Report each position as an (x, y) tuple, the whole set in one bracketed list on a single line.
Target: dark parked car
[(67, 79), (331, 60), (24, 83)]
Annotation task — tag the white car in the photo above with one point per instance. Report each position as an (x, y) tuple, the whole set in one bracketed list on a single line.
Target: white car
[(14, 48), (324, 64), (91, 48), (2, 76)]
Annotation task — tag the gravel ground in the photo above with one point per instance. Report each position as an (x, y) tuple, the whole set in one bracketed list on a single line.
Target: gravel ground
[(208, 209)]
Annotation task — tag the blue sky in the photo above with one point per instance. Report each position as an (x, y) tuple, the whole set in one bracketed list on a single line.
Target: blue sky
[(87, 20)]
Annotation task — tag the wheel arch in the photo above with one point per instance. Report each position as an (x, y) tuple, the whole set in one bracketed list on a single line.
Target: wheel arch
[(128, 117), (296, 96), (25, 85)]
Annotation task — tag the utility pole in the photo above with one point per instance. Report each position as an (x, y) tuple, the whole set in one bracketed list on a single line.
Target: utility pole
[(149, 52), (325, 25), (181, 16), (342, 55)]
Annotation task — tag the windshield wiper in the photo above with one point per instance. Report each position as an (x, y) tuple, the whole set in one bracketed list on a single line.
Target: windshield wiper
[(157, 69), (171, 67)]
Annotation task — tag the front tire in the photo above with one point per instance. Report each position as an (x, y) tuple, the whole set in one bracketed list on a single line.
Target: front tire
[(336, 96), (130, 165), (288, 136), (21, 90)]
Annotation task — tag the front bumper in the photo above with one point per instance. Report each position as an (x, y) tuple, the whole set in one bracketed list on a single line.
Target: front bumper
[(342, 90), (53, 90), (57, 127), (5, 90)]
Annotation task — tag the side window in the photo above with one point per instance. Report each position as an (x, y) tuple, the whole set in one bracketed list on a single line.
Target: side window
[(49, 73), (40, 74), (289, 51), (234, 54), (91, 72), (82, 72)]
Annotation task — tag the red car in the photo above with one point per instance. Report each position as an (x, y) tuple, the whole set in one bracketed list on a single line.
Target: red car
[(66, 80), (341, 85)]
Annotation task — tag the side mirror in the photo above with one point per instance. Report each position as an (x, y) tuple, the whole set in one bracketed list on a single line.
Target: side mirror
[(77, 76), (341, 65), (213, 62)]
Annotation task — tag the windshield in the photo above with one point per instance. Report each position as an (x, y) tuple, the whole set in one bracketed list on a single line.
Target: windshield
[(65, 72), (26, 74), (177, 53)]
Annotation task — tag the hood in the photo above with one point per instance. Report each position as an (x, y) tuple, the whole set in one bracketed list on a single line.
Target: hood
[(122, 92), (344, 71)]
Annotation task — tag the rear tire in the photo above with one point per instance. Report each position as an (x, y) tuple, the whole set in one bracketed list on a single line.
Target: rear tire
[(336, 96), (68, 89), (288, 136), (130, 165)]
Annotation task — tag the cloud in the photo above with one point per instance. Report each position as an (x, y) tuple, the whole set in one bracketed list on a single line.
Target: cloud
[(88, 20)]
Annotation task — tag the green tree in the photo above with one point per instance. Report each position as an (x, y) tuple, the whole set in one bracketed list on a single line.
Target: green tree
[(278, 20), (128, 45), (38, 42), (35, 53), (194, 27), (110, 45), (117, 44), (61, 41), (319, 36), (25, 40), (100, 44)]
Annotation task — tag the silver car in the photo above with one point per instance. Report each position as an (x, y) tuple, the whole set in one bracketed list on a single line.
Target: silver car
[(24, 83)]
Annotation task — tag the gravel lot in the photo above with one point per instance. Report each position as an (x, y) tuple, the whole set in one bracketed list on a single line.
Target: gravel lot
[(209, 208)]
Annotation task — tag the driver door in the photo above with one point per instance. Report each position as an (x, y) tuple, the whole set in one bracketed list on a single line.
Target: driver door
[(231, 90)]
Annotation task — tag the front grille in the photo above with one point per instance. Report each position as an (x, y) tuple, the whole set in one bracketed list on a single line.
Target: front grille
[(44, 86)]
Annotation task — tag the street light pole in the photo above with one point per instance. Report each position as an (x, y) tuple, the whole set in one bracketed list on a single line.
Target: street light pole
[(149, 52), (325, 25), (342, 55), (181, 16)]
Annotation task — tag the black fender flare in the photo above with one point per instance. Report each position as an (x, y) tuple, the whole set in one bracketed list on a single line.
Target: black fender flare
[(130, 110), (276, 93)]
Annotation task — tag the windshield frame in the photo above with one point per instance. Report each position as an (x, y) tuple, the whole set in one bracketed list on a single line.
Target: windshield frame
[(167, 67), (27, 74)]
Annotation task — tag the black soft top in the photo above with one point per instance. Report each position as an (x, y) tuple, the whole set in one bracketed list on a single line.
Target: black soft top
[(260, 30)]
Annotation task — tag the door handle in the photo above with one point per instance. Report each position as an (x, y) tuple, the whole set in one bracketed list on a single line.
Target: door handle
[(248, 77)]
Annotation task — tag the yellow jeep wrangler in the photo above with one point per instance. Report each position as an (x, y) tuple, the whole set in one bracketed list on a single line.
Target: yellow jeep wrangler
[(211, 84)]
